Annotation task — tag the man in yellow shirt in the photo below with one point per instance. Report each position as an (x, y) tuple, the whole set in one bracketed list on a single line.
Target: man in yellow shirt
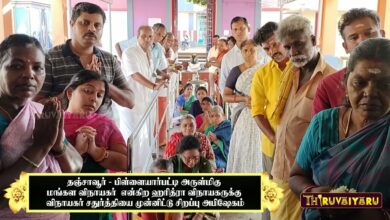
[(265, 89)]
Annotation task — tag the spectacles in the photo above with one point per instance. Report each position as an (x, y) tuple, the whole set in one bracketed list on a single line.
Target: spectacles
[(189, 159)]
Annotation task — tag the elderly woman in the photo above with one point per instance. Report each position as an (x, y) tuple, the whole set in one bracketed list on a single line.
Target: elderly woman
[(189, 158), (245, 150), (188, 127), (219, 134), (32, 136), (349, 146)]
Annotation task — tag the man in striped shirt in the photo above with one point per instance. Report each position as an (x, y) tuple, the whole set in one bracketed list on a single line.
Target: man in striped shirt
[(80, 52)]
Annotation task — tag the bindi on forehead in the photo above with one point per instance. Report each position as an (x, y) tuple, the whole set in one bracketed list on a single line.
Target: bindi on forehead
[(26, 60)]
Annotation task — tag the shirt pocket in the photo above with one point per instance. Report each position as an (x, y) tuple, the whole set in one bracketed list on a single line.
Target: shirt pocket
[(304, 108)]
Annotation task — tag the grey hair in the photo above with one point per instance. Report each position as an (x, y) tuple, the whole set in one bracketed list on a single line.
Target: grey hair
[(188, 116), (142, 27), (217, 109), (293, 25), (157, 26), (162, 164)]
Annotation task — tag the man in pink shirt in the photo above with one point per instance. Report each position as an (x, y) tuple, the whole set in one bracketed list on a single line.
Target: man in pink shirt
[(355, 26)]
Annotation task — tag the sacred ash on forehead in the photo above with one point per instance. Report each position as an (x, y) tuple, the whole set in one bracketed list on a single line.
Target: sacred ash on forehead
[(359, 25), (374, 70)]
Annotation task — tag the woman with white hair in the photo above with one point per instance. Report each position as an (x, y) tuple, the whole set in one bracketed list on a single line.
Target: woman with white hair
[(188, 127), (219, 134)]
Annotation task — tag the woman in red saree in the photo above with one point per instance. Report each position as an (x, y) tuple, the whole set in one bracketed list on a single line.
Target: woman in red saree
[(188, 127)]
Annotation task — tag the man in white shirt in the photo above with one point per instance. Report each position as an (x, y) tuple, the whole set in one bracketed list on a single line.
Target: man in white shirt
[(159, 61), (213, 52), (123, 45), (240, 30), (137, 65)]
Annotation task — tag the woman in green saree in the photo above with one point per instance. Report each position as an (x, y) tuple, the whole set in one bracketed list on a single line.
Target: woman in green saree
[(184, 101), (350, 145), (188, 158)]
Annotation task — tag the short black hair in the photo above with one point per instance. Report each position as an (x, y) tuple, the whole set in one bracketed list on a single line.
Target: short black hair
[(88, 8), (216, 35), (354, 14), (17, 40), (265, 32), (186, 86), (201, 88), (189, 142), (83, 77), (246, 42), (208, 99), (238, 19)]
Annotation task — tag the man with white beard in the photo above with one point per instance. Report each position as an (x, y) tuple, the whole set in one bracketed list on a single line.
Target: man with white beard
[(298, 87)]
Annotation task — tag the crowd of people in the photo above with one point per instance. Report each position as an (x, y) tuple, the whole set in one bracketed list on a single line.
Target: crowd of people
[(310, 127)]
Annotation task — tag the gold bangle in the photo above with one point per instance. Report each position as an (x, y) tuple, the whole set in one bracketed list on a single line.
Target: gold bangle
[(103, 156), (31, 162)]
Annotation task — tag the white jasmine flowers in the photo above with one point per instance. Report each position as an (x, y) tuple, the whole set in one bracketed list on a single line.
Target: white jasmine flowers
[(343, 189)]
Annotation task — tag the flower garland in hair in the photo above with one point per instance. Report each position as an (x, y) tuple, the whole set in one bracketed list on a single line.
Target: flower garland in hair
[(343, 189)]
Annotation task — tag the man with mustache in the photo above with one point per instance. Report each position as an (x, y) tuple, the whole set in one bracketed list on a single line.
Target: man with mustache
[(265, 89), (355, 26), (80, 52), (298, 87)]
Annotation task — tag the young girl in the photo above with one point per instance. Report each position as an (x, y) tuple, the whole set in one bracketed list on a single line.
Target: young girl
[(95, 136), (196, 108)]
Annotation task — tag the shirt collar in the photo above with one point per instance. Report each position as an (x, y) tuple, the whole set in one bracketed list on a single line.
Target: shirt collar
[(319, 69), (274, 64), (67, 51)]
